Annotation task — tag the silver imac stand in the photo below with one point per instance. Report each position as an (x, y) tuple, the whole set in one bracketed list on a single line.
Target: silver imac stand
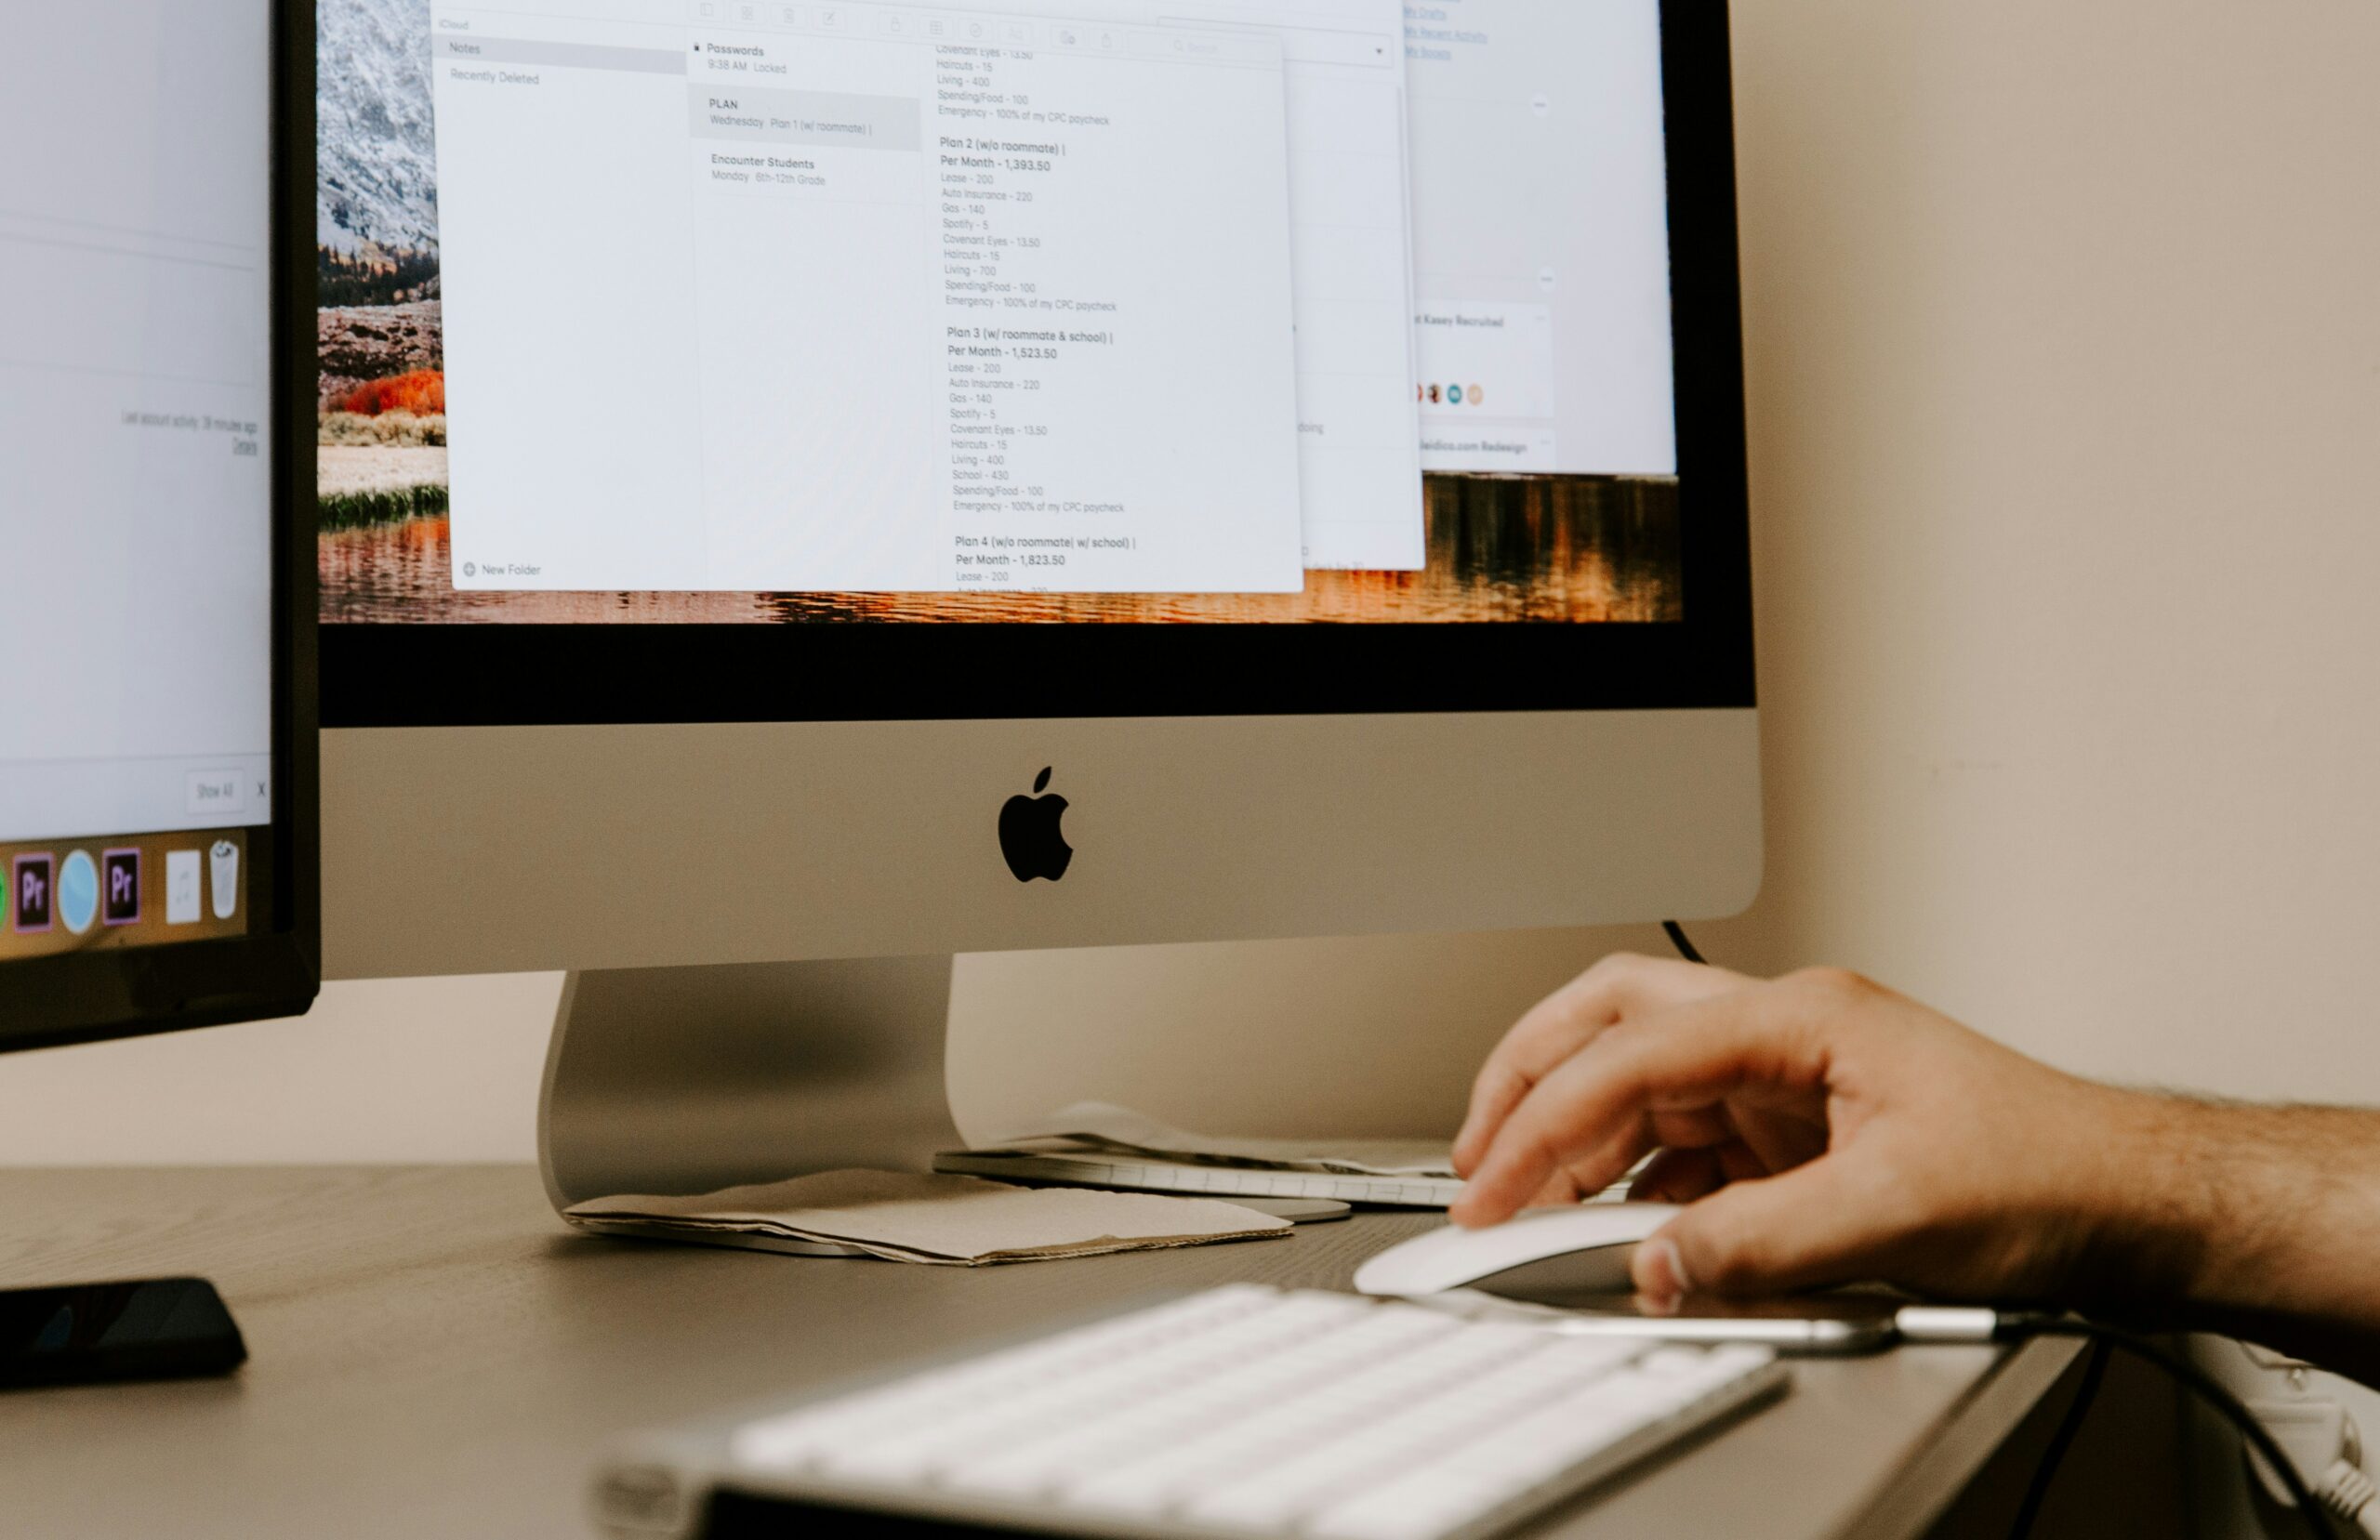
[(678, 1080)]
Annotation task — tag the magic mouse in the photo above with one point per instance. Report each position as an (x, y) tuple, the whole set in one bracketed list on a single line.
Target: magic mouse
[(1542, 1253)]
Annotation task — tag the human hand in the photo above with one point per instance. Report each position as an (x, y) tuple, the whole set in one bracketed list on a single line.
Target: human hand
[(1822, 1129)]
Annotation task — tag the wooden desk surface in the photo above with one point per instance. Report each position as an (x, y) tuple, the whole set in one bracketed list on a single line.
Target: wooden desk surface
[(432, 1354)]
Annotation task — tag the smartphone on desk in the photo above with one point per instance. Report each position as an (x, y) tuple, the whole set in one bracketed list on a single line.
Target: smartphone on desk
[(83, 1333)]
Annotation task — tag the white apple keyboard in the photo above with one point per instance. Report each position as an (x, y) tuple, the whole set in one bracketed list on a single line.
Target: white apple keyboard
[(1237, 1413)]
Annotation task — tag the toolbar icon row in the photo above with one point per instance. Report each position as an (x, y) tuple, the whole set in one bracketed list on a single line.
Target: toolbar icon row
[(46, 892)]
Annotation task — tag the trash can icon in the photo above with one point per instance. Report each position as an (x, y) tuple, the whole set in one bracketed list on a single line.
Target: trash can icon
[(223, 868)]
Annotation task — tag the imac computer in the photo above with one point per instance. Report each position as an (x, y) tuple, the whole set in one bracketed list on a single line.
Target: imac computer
[(807, 489)]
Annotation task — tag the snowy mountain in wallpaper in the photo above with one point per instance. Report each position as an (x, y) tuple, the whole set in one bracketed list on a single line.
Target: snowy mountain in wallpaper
[(378, 180)]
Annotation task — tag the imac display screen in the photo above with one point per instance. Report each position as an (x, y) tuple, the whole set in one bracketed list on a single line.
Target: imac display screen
[(136, 532), (721, 311)]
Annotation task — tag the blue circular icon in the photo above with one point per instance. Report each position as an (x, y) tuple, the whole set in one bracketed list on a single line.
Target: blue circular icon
[(1454, 394), (78, 892)]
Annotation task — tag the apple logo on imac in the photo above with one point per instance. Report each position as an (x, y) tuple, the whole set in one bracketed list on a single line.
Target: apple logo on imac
[(1030, 837)]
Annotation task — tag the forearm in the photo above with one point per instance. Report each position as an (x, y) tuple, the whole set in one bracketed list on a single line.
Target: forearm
[(2271, 1213)]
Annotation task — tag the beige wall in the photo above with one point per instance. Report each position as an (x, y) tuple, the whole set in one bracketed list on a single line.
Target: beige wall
[(409, 1070), (2065, 384), (2065, 363)]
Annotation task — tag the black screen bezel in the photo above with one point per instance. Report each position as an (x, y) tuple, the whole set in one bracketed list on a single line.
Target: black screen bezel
[(477, 675), (275, 970)]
